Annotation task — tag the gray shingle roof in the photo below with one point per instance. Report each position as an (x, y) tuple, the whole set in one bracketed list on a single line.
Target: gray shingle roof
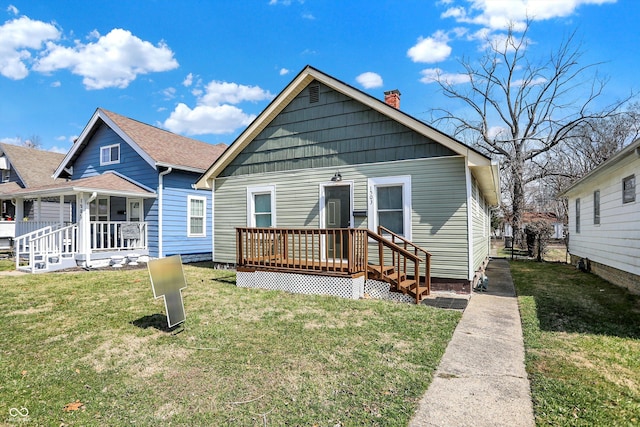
[(107, 183), (166, 147), (34, 167)]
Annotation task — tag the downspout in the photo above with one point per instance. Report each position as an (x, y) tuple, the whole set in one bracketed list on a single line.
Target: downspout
[(160, 186)]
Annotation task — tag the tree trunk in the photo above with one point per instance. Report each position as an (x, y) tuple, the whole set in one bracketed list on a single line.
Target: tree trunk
[(518, 200)]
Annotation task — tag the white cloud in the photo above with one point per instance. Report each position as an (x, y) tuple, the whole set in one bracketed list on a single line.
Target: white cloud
[(308, 16), (188, 81), (369, 80), (217, 93), (284, 71), (169, 93), (56, 84), (12, 9), (205, 119), (16, 37), (13, 141), (431, 49), (61, 150), (534, 82), (61, 138), (215, 112), (496, 15), (114, 60), (432, 75)]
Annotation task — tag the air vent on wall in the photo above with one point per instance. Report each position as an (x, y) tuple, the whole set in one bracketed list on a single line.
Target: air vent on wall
[(314, 93)]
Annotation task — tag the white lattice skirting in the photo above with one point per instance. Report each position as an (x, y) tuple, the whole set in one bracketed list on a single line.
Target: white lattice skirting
[(345, 287)]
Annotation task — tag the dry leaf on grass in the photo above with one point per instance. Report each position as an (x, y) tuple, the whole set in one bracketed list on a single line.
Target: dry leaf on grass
[(73, 406)]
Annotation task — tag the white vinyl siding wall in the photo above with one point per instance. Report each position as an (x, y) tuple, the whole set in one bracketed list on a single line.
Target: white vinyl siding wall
[(480, 222), (616, 240), (438, 215)]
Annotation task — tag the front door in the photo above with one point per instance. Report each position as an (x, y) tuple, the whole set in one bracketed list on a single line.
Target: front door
[(134, 210), (337, 214)]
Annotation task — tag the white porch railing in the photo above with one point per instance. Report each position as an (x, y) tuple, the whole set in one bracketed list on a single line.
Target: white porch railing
[(26, 227), (116, 235), (46, 246), (51, 244)]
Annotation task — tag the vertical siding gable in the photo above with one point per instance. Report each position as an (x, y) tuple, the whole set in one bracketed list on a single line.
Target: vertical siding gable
[(131, 164), (335, 131)]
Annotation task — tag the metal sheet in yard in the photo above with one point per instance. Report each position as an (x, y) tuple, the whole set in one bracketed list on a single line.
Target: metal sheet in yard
[(167, 280)]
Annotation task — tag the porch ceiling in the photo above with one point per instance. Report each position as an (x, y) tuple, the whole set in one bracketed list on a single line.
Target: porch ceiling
[(108, 183)]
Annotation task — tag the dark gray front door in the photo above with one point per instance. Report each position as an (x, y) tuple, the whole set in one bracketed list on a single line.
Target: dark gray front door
[(337, 212)]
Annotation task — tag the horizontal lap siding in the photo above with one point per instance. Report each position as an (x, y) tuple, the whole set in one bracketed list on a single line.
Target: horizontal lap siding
[(131, 164), (480, 232), (439, 221), (616, 241), (177, 189)]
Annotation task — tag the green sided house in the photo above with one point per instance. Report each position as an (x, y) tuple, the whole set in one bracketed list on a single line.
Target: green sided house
[(330, 190)]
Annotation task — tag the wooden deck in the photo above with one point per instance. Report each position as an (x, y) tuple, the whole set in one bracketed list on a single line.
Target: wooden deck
[(346, 252)]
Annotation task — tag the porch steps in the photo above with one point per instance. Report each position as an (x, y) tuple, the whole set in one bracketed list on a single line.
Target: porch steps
[(398, 281), (49, 263)]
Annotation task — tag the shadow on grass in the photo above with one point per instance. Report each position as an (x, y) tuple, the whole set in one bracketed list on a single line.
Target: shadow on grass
[(157, 321), (568, 300)]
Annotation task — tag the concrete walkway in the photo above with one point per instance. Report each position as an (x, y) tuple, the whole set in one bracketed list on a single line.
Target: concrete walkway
[(481, 379)]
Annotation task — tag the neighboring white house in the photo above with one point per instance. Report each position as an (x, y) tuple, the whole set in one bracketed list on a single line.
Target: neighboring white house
[(604, 219)]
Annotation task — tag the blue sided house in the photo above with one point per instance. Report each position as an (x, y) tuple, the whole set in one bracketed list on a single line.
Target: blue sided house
[(130, 188)]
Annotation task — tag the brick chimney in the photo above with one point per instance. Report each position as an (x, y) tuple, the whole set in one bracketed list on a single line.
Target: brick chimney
[(392, 97)]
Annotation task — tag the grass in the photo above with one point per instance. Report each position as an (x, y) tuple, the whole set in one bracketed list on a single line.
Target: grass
[(244, 357), (582, 341), (556, 252)]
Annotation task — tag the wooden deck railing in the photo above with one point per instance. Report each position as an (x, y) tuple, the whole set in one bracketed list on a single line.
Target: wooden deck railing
[(334, 250), (408, 245), (339, 251)]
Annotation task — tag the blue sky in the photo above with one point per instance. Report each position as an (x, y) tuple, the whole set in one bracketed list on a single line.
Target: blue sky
[(205, 69)]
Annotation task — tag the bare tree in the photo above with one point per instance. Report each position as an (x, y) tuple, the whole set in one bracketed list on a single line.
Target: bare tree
[(521, 110)]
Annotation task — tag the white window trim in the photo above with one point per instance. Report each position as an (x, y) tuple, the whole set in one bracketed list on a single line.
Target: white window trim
[(262, 189), (372, 209), (109, 147), (204, 217), (94, 215)]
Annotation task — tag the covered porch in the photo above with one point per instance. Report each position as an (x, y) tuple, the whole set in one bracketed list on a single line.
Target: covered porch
[(101, 221)]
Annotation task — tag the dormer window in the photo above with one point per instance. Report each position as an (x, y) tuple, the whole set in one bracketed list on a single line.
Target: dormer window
[(6, 175), (110, 154)]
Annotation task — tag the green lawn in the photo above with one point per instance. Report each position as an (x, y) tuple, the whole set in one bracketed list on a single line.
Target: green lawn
[(582, 340), (245, 357)]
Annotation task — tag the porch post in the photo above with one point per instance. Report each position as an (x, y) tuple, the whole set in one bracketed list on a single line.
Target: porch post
[(84, 225), (19, 214), (61, 212), (38, 209)]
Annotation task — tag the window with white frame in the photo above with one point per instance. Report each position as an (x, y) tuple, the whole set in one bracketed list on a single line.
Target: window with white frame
[(196, 216), (389, 201), (261, 206), (6, 175), (110, 154)]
